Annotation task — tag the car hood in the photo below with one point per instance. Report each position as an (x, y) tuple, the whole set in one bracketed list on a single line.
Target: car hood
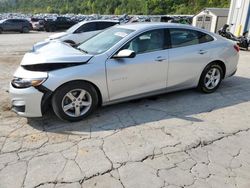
[(55, 52), (58, 35)]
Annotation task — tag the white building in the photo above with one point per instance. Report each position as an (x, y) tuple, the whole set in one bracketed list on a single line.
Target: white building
[(239, 16), (211, 19)]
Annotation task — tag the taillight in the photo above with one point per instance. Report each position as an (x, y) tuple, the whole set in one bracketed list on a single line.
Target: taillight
[(237, 48)]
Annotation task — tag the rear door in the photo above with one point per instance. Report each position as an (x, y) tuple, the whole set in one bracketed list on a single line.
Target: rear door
[(146, 72), (188, 55), (19, 24)]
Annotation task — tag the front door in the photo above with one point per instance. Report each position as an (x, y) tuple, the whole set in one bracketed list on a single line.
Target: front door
[(9, 25), (144, 73)]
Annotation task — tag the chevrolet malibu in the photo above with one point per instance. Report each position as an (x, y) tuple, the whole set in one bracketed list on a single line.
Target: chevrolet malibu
[(121, 63)]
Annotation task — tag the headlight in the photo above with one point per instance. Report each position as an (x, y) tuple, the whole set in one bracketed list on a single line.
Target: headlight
[(25, 83)]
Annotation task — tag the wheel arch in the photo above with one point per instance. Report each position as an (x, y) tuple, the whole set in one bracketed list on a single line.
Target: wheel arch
[(25, 26), (89, 82), (221, 64), (200, 86)]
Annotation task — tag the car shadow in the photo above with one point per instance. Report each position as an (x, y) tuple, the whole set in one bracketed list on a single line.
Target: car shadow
[(181, 105)]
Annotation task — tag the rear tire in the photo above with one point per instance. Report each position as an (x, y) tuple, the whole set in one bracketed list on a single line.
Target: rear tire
[(1, 30), (25, 30), (52, 28), (211, 78), (74, 101)]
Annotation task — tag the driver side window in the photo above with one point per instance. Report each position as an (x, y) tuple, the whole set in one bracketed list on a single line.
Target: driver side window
[(8, 22), (147, 42)]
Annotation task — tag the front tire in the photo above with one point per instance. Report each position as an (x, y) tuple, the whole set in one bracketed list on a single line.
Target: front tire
[(74, 101), (211, 78)]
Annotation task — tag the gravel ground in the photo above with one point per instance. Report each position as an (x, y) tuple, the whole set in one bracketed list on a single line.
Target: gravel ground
[(182, 139)]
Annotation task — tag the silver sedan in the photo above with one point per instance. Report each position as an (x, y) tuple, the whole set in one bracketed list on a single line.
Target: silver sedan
[(121, 63)]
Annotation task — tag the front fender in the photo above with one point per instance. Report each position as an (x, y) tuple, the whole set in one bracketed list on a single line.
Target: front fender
[(91, 72)]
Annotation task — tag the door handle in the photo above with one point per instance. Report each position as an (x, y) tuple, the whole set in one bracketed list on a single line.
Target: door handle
[(160, 58), (202, 52)]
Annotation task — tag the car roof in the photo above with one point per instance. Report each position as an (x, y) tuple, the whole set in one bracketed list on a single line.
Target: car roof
[(89, 21), (149, 25), (17, 19), (157, 25)]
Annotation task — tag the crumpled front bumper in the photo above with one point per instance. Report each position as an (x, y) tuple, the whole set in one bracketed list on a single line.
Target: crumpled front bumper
[(26, 102)]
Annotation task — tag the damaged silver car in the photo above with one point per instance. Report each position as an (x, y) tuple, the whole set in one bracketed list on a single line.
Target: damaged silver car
[(121, 63)]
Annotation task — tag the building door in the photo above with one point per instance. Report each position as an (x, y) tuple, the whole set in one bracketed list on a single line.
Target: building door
[(204, 22), (207, 22), (199, 22)]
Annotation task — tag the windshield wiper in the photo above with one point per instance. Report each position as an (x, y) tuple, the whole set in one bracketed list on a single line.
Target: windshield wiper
[(86, 52)]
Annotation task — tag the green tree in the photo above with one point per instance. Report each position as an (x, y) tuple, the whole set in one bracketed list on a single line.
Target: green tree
[(111, 6)]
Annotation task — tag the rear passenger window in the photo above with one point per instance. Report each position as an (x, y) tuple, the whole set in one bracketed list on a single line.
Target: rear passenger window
[(90, 27), (203, 37), (87, 27), (183, 37), (187, 37), (18, 21), (104, 25)]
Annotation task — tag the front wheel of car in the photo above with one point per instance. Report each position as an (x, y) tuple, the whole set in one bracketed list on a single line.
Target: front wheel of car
[(1, 30), (211, 78), (74, 101)]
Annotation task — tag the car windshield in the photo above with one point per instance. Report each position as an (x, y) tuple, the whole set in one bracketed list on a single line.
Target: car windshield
[(74, 28), (1, 21), (104, 41)]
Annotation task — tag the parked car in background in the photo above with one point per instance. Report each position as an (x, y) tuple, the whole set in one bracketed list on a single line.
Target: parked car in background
[(121, 63), (37, 24), (59, 23), (83, 31), (19, 25)]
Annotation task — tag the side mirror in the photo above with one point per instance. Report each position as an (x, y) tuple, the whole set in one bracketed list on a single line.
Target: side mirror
[(125, 54)]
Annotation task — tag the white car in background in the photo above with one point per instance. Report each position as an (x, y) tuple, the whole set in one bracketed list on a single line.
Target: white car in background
[(83, 31)]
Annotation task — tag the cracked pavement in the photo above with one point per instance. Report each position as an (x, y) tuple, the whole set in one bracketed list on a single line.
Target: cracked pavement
[(182, 139)]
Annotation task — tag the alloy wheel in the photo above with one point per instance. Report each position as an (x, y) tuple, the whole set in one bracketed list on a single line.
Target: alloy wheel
[(212, 78), (76, 102)]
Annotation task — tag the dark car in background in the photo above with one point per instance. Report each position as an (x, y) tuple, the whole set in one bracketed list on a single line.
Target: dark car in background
[(59, 23), (19, 25), (38, 24)]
